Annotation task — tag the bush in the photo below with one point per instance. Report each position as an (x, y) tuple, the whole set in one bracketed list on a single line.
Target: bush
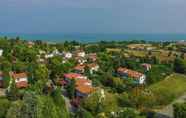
[(4, 106)]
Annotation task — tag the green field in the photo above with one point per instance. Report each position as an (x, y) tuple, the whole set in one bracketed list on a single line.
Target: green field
[(169, 89)]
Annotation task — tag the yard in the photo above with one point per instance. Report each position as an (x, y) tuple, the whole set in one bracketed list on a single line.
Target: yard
[(162, 55), (169, 89)]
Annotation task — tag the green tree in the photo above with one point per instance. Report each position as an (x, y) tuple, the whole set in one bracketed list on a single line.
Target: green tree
[(100, 101), (129, 113), (82, 113), (41, 72), (179, 110), (29, 108), (4, 106), (12, 92), (71, 89), (15, 110), (180, 65), (59, 101)]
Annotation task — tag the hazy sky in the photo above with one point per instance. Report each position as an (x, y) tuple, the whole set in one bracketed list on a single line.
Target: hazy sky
[(93, 16)]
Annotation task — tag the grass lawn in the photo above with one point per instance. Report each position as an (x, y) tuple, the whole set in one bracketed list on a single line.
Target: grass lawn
[(169, 89)]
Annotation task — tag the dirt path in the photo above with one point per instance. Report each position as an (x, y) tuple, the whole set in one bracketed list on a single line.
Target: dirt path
[(167, 112)]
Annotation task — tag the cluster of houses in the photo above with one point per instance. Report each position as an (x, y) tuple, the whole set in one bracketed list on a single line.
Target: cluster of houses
[(83, 86)]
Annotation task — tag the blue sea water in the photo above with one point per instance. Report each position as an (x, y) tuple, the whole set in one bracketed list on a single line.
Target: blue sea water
[(85, 38)]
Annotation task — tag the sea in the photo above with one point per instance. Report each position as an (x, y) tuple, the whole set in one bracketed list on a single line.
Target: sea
[(89, 38)]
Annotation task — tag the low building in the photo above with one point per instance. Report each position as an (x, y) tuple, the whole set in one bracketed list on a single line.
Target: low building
[(146, 66), (21, 79), (79, 68), (67, 55), (92, 57), (84, 91), (84, 88), (93, 67), (73, 76), (30, 44), (139, 78), (81, 60), (80, 54)]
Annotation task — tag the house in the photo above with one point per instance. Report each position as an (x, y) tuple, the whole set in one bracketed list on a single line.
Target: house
[(1, 52), (84, 91), (1, 80), (30, 44), (83, 88), (79, 53), (79, 68), (67, 55), (56, 52), (73, 76), (93, 67), (21, 79), (49, 55), (138, 77), (80, 60), (146, 66), (92, 57)]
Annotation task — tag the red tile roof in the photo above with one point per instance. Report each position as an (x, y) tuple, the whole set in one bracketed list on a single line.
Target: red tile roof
[(79, 67), (82, 82), (73, 75), (18, 75), (130, 73), (85, 89)]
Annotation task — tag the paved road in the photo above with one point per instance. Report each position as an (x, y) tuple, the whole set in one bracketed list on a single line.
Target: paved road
[(167, 112)]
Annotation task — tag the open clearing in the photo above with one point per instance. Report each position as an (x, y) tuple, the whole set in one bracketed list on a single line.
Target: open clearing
[(167, 90)]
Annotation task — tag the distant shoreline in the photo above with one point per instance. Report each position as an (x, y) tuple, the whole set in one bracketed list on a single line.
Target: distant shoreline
[(88, 38)]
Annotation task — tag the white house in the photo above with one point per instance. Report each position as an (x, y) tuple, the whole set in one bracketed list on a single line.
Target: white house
[(21, 79), (81, 54), (68, 55), (137, 77)]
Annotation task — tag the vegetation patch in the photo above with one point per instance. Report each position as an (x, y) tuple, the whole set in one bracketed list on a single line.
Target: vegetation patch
[(168, 89)]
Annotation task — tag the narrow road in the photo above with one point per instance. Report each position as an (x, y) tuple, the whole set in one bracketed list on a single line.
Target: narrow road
[(167, 112)]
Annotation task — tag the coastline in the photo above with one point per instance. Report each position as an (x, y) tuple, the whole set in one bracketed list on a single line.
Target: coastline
[(92, 38)]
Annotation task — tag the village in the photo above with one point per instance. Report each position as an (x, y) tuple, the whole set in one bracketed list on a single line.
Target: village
[(126, 73)]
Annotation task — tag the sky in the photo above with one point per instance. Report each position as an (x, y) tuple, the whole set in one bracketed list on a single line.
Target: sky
[(93, 16)]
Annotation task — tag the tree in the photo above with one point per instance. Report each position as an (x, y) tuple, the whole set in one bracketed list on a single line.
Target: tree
[(117, 84), (129, 113), (46, 107), (41, 72), (100, 101), (4, 106), (71, 89), (29, 107), (180, 65), (179, 110), (15, 110), (124, 100), (12, 92), (59, 101), (82, 113)]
